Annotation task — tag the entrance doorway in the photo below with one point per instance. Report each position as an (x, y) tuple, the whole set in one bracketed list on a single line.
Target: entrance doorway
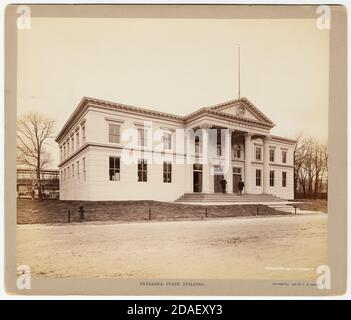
[(236, 179), (218, 175), (197, 177)]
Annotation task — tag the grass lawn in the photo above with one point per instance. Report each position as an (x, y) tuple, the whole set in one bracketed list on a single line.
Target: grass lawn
[(320, 205), (56, 211)]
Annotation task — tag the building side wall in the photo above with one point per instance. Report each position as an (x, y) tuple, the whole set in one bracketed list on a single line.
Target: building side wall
[(99, 187)]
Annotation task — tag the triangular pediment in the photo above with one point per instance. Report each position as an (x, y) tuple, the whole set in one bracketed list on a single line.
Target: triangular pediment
[(242, 108)]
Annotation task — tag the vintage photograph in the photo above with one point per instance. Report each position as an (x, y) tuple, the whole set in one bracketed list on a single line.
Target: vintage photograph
[(172, 148)]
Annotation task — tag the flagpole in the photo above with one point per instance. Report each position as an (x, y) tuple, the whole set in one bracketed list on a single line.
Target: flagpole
[(238, 71)]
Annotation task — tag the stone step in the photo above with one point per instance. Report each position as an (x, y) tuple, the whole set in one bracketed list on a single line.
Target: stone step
[(220, 197)]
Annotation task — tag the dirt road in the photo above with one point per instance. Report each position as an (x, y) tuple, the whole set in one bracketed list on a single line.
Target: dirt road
[(289, 247)]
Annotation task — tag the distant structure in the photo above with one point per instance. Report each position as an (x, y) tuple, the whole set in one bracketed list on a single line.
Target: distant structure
[(26, 184)]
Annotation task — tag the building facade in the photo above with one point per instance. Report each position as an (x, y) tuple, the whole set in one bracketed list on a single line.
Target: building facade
[(112, 151)]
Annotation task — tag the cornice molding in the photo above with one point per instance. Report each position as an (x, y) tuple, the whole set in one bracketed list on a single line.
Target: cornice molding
[(213, 111)]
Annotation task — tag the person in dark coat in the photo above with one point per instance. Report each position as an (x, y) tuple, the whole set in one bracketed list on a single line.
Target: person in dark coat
[(223, 183), (241, 186)]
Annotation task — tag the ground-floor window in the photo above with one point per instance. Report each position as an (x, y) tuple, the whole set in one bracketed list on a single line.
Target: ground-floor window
[(84, 171), (114, 169), (271, 178), (142, 170), (258, 177), (284, 179), (167, 172)]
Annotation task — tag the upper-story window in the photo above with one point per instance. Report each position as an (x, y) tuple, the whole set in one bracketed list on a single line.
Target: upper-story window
[(72, 143), (77, 139), (114, 133), (197, 145), (68, 147), (142, 138), (61, 155), (271, 155), (83, 134), (284, 153), (219, 143), (64, 150), (258, 153), (237, 151), (167, 141)]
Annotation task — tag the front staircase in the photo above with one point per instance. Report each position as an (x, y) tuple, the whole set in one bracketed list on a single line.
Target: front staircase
[(226, 197)]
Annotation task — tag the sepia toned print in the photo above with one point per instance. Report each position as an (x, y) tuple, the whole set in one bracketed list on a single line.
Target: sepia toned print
[(174, 197)]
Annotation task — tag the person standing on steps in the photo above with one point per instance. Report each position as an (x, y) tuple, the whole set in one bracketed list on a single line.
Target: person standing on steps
[(241, 186), (223, 183)]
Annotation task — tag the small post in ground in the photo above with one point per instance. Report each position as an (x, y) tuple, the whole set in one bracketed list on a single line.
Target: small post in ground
[(81, 214), (149, 213), (206, 215), (69, 216), (257, 211), (295, 209)]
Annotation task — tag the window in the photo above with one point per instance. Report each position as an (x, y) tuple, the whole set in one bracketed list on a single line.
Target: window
[(271, 178), (219, 143), (68, 173), (61, 156), (236, 170), (197, 167), (78, 168), (197, 145), (284, 156), (73, 170), (167, 141), (142, 170), (114, 170), (258, 153), (167, 172), (77, 139), (271, 155), (114, 133), (83, 134), (68, 147), (72, 143), (258, 177), (84, 171), (142, 141), (64, 150), (237, 153), (284, 179), (64, 174)]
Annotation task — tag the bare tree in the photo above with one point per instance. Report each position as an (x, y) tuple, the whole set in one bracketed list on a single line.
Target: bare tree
[(310, 166), (33, 133)]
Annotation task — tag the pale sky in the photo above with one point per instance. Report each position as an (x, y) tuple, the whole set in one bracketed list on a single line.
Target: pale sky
[(177, 66)]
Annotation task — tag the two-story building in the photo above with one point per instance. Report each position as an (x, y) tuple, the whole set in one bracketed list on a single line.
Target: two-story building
[(112, 151)]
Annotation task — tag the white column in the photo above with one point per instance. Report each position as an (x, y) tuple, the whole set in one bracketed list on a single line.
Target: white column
[(228, 160), (247, 175), (206, 154), (188, 162), (265, 174)]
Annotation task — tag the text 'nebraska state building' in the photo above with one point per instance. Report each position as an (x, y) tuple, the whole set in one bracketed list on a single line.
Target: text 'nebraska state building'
[(112, 151)]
